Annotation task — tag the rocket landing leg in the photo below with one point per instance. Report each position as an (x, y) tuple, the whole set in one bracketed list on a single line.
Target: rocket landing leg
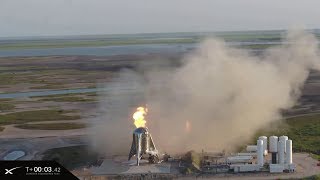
[(139, 150)]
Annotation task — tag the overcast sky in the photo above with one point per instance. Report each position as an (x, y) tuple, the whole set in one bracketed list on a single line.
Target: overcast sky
[(72, 17)]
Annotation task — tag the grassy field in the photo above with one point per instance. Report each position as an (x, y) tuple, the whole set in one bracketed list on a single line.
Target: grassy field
[(49, 86), (38, 115), (91, 43), (60, 76), (72, 157), (314, 177), (13, 78), (171, 38), (303, 130), (52, 126), (68, 97), (6, 106), (118, 40), (258, 46), (97, 43)]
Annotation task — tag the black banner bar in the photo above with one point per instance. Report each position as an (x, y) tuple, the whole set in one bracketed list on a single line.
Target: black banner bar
[(34, 170)]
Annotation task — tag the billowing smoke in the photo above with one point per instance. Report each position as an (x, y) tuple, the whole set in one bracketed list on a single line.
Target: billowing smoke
[(217, 99)]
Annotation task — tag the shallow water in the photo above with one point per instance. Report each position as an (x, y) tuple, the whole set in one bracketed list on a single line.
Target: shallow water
[(99, 51), (14, 155), (120, 87), (46, 93), (116, 50)]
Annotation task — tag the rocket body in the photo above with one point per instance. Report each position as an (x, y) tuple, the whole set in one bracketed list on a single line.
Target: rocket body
[(143, 145)]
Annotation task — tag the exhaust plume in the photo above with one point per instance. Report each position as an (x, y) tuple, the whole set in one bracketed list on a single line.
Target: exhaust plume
[(217, 99)]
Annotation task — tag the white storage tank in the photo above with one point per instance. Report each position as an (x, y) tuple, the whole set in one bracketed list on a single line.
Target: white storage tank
[(265, 144), (251, 148), (260, 153), (273, 144), (253, 154), (281, 149), (284, 139), (289, 152), (273, 148), (239, 159)]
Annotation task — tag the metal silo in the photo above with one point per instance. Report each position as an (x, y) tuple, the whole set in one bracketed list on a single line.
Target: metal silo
[(282, 149), (289, 152), (284, 139), (251, 148), (260, 152), (265, 144), (273, 144)]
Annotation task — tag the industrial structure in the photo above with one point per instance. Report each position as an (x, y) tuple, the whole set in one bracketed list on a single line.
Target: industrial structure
[(143, 146), (272, 155), (275, 159)]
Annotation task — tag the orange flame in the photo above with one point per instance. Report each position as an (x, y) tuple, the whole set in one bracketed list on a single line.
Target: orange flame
[(138, 117)]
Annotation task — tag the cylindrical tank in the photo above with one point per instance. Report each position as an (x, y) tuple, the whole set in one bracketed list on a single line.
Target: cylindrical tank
[(260, 152), (289, 151), (251, 148), (273, 144), (284, 139), (281, 148), (265, 144)]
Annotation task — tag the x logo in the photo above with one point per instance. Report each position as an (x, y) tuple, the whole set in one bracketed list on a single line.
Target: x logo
[(9, 171)]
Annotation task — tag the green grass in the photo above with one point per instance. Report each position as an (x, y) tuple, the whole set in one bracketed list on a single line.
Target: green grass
[(132, 40), (66, 98), (91, 43), (91, 94), (52, 126), (37, 115), (5, 100), (72, 157), (315, 156), (13, 78), (49, 86), (92, 86), (6, 106), (303, 130), (258, 46), (17, 78), (42, 76), (305, 133), (314, 177)]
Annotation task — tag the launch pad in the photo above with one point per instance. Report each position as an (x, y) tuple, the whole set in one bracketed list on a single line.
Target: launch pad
[(120, 165)]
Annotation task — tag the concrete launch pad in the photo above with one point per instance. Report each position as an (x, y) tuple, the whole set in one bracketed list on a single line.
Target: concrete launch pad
[(120, 165)]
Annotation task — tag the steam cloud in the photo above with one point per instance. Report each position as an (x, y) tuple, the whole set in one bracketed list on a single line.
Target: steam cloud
[(218, 98)]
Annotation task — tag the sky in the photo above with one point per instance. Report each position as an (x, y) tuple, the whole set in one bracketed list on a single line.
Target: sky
[(77, 17)]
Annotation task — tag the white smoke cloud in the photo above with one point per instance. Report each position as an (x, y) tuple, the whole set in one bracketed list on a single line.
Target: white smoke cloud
[(223, 94)]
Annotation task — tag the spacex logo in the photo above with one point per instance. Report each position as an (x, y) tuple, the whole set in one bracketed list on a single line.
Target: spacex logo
[(9, 171)]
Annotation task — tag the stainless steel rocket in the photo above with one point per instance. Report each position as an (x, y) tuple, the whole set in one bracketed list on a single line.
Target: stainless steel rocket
[(143, 146)]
